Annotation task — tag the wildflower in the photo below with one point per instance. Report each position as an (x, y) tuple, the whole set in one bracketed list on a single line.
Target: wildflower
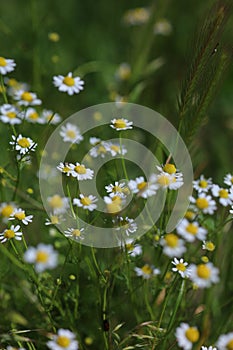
[(146, 271), (20, 215), (137, 16), (71, 85), (127, 224), (115, 148), (10, 114), (133, 249), (123, 72), (81, 172), (113, 203), (204, 203), (186, 336), (225, 341), (53, 36), (101, 149), (180, 267), (9, 233), (26, 98), (162, 27), (64, 168), (202, 184), (50, 117), (71, 133), (191, 230), (64, 339), (168, 177), (23, 144), (118, 189), (13, 348), (228, 180), (86, 202), (43, 256), (142, 188), (190, 215), (7, 65), (208, 245), (173, 246), (58, 204), (74, 233), (32, 116), (6, 209), (225, 196), (54, 220), (203, 275), (208, 348), (121, 124)]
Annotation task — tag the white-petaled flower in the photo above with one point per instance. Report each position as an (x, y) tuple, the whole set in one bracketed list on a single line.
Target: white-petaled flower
[(26, 98), (121, 124), (231, 210), (32, 116), (225, 196), (23, 144), (6, 209), (162, 27), (208, 348), (168, 177), (54, 220), (186, 336), (123, 72), (65, 168), (15, 85), (147, 271), (81, 172), (101, 149), (202, 184), (64, 339), (48, 116), (191, 230), (74, 233), (225, 341), (71, 133), (142, 188), (71, 85), (115, 149), (228, 180), (113, 203), (126, 224), (181, 267), (137, 16), (13, 348), (86, 202), (203, 275), (118, 189), (58, 204), (94, 140), (204, 203), (43, 256), (20, 215), (132, 248), (9, 233), (173, 246), (208, 245), (10, 114), (7, 65)]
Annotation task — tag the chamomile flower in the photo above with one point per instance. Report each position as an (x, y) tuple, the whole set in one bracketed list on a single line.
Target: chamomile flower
[(142, 188), (58, 204), (191, 230), (64, 339), (65, 168), (71, 85), (10, 114), (43, 257), (7, 65), (225, 196), (126, 224), (86, 202), (23, 144), (225, 341), (132, 248), (203, 275), (231, 210), (208, 348), (54, 220), (80, 172), (186, 336), (202, 184), (50, 117), (228, 180), (13, 348), (101, 149), (74, 233), (121, 124), (6, 209), (115, 149), (19, 214), (26, 98), (204, 203), (32, 116), (181, 267), (113, 203), (208, 245), (71, 133), (118, 189), (137, 16), (173, 246), (168, 177), (9, 233), (147, 271), (123, 71)]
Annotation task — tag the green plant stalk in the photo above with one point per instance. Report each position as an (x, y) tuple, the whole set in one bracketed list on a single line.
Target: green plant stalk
[(3, 90), (123, 159)]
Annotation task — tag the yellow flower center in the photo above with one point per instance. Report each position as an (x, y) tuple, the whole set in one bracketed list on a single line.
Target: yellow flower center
[(210, 246), (76, 233), (85, 201), (27, 96), (223, 193), (71, 134), (202, 203), (163, 180), (41, 256), (116, 189), (189, 215), (23, 142), (129, 247), (169, 168), (203, 271), (56, 202), (171, 240), (7, 211), (33, 115), (102, 149), (12, 82), (120, 124), (181, 267), (11, 115), (146, 269), (192, 334), (54, 219), (230, 345), (3, 62), (69, 81), (141, 186), (66, 169), (203, 183), (115, 148), (63, 341), (20, 215), (80, 169), (9, 234), (191, 228)]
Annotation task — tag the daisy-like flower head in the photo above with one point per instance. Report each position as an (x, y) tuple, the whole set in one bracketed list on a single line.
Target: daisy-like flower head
[(113, 203), (208, 348), (231, 210), (147, 271), (208, 245), (32, 116), (190, 214), (132, 248), (19, 214), (9, 233), (50, 117), (121, 124), (181, 267), (26, 98), (191, 230), (94, 141), (224, 195), (142, 188), (173, 246), (86, 202), (64, 339), (58, 204), (13, 348), (71, 133), (81, 172), (6, 209), (10, 114), (186, 336), (202, 184), (123, 72), (225, 341), (118, 189), (126, 224), (203, 275), (54, 220), (204, 203), (7, 65), (137, 16), (101, 149), (228, 180), (74, 233), (71, 85), (23, 144), (116, 148), (43, 257), (65, 168), (168, 177)]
